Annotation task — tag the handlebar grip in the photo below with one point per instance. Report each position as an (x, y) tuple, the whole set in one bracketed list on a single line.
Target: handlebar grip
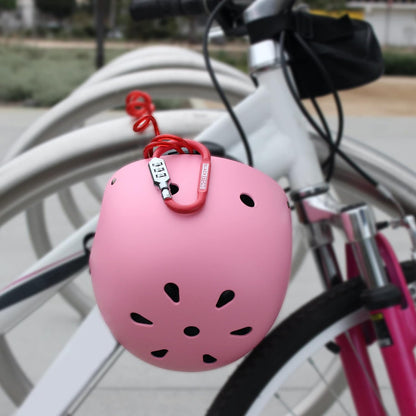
[(156, 9)]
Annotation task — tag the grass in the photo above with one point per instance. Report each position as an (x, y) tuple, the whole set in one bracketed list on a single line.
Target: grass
[(397, 61), (44, 76), (400, 61), (238, 59)]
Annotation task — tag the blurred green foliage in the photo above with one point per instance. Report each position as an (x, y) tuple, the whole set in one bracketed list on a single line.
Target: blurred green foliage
[(326, 4), (399, 62), (7, 5), (59, 9), (42, 77)]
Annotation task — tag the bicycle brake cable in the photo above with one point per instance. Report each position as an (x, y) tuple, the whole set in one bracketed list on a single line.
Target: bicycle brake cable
[(217, 85), (334, 147), (330, 161), (325, 134)]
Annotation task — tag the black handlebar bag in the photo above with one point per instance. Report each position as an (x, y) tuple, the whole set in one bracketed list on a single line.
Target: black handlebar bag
[(347, 48)]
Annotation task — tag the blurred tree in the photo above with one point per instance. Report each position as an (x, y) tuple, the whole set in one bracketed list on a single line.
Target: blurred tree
[(112, 13), (166, 28), (326, 4), (7, 5), (60, 9), (99, 15)]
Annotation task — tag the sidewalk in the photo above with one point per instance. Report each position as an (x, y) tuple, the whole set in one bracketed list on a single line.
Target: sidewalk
[(388, 96), (132, 387)]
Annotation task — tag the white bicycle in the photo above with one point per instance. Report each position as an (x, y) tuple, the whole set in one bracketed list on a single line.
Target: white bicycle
[(281, 146)]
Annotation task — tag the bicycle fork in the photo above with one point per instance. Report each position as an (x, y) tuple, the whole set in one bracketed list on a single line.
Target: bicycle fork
[(387, 299)]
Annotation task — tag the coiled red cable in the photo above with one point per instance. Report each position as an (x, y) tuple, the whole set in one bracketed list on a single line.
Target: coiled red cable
[(139, 105)]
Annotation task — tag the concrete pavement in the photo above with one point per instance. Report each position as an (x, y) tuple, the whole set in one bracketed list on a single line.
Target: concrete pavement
[(132, 387)]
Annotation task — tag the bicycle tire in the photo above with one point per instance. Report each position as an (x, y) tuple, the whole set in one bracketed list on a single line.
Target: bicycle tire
[(249, 387)]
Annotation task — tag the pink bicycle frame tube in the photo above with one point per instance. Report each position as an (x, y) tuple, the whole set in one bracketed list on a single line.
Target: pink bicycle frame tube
[(396, 326), (400, 322), (356, 361)]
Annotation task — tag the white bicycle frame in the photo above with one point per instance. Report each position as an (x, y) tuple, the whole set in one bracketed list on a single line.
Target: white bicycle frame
[(161, 71), (275, 126), (281, 147)]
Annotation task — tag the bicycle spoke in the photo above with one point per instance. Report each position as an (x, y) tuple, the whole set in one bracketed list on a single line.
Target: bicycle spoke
[(328, 385), (284, 404)]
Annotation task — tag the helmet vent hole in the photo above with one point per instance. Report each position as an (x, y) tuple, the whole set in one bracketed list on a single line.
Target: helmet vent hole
[(247, 200), (226, 297), (242, 331), (172, 290), (191, 331), (140, 319), (174, 189), (159, 353), (208, 359)]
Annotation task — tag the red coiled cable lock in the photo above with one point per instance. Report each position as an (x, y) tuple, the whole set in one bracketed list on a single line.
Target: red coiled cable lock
[(139, 105)]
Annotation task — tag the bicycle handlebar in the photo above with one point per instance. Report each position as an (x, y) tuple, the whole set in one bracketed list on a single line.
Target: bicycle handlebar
[(156, 9), (233, 17)]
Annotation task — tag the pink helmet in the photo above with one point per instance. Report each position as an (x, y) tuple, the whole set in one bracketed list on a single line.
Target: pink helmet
[(193, 291)]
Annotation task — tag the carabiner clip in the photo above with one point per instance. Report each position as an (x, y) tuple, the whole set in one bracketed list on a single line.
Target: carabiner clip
[(161, 178), (139, 104)]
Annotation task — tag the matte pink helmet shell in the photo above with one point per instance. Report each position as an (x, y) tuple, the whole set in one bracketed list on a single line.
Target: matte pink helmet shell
[(195, 291)]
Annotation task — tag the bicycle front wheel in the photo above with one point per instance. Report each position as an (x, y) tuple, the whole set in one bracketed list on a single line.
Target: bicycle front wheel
[(262, 383)]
